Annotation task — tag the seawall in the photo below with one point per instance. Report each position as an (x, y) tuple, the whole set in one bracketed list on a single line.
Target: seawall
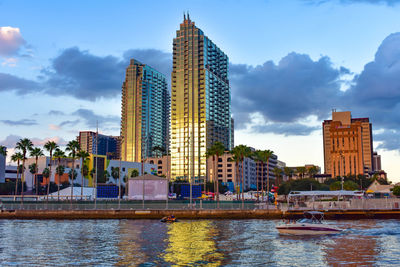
[(192, 214)]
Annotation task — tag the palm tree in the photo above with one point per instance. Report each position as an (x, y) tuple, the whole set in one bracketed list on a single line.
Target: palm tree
[(312, 171), (32, 170), (36, 152), (3, 151), (46, 174), (301, 171), (84, 156), (72, 146), (59, 154), (268, 155), (288, 172), (278, 174), (236, 159), (50, 146), (216, 150), (241, 152), (17, 157), (24, 145), (256, 158)]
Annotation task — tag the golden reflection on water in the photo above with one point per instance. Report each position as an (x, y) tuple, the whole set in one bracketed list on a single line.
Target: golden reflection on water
[(192, 243), (129, 246)]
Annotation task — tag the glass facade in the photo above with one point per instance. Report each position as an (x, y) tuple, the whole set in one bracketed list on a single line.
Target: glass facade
[(200, 111), (106, 145), (145, 112)]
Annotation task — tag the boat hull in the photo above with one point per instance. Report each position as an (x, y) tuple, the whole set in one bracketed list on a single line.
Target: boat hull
[(307, 230)]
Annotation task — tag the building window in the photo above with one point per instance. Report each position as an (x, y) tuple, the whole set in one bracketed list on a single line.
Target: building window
[(219, 160), (123, 169)]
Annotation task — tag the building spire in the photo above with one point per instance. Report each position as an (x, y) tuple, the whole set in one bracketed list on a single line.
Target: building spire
[(188, 15), (184, 16)]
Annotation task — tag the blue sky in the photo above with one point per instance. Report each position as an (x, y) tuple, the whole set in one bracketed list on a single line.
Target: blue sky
[(292, 61)]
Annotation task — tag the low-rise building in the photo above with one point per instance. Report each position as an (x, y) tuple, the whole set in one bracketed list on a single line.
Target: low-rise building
[(227, 171), (163, 165)]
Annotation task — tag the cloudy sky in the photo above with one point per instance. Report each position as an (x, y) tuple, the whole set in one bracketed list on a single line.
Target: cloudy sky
[(62, 65)]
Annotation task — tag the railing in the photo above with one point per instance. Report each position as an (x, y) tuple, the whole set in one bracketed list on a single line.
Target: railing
[(132, 205)]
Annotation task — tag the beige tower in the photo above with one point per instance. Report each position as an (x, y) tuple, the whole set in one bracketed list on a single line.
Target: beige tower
[(347, 145)]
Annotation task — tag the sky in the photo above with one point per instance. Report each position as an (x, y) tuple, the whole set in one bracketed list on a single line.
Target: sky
[(62, 65)]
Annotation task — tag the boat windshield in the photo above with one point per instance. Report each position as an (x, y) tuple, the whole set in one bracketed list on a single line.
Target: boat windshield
[(305, 220)]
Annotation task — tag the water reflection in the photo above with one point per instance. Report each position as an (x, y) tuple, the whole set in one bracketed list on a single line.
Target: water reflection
[(192, 243), (141, 241), (186, 243), (353, 246)]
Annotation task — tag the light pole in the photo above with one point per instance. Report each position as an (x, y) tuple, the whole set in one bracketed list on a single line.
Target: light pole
[(119, 178)]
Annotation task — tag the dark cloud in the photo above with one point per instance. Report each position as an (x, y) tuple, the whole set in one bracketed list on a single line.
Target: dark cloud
[(92, 120), (159, 60), (69, 123), (295, 88), (390, 140), (82, 75), (285, 129), (10, 82), (86, 76), (23, 122), (55, 113), (376, 90)]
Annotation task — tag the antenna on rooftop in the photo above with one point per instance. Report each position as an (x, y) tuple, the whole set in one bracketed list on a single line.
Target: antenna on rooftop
[(184, 15)]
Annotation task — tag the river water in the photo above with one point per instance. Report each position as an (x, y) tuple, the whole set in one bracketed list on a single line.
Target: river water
[(193, 243)]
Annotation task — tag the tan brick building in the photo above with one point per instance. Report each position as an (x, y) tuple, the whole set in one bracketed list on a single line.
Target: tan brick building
[(347, 145), (163, 165)]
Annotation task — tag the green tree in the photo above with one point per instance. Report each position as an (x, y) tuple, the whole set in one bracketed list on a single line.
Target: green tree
[(83, 155), (72, 177), (256, 157), (312, 171), (396, 190), (17, 157), (301, 171), (278, 175), (36, 153), (46, 174), (59, 154), (115, 172), (50, 146), (3, 151), (32, 170), (134, 173), (24, 145), (288, 172), (241, 152), (347, 185), (216, 150), (73, 147)]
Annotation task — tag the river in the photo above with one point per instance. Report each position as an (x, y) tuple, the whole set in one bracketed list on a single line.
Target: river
[(193, 243)]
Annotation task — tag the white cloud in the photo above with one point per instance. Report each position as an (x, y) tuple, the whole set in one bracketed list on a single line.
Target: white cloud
[(10, 62), (11, 41)]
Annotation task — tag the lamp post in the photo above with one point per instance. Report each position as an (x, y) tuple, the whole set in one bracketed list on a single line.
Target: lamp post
[(119, 178)]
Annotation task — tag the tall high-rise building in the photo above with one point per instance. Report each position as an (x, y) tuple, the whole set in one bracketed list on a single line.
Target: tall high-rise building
[(201, 110), (106, 145), (347, 145), (145, 112)]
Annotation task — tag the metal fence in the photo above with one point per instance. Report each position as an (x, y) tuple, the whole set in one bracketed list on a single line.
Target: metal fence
[(147, 205)]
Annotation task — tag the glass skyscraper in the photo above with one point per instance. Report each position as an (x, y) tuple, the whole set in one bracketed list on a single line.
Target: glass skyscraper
[(145, 112), (201, 110)]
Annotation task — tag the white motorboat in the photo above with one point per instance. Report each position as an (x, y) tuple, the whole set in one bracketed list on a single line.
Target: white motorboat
[(311, 224)]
